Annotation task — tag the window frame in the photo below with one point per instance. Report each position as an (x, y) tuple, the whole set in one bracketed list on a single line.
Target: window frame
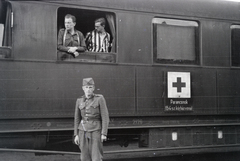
[(6, 50), (88, 56), (178, 23), (234, 63)]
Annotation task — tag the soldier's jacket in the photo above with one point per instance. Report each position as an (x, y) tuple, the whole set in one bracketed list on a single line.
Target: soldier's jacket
[(91, 114)]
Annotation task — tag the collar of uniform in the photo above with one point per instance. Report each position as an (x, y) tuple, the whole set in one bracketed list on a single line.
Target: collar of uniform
[(85, 98)]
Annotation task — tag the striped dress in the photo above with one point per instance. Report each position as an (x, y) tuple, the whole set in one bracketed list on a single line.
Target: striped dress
[(98, 42)]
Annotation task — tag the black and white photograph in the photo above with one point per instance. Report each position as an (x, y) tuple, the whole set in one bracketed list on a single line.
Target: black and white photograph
[(120, 80)]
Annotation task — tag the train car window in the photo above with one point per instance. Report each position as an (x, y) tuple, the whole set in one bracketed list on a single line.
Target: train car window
[(85, 23), (175, 41), (235, 47), (5, 29)]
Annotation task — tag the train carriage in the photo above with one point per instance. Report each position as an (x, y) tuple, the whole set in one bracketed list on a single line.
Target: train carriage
[(170, 79)]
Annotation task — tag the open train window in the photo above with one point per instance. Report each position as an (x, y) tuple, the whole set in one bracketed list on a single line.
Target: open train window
[(5, 29), (235, 47), (85, 23), (175, 41)]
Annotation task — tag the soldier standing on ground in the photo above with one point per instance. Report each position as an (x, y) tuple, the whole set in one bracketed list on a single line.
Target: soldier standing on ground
[(90, 123)]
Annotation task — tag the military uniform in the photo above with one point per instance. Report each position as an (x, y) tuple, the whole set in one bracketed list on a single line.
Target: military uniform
[(90, 122)]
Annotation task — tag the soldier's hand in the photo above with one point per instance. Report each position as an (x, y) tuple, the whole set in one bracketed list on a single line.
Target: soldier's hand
[(76, 140), (103, 138)]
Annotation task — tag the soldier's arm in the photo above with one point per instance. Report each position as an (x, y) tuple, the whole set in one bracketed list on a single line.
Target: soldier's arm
[(104, 115), (77, 118)]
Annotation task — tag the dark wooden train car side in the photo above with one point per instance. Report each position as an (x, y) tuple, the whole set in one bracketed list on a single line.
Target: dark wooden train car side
[(151, 41)]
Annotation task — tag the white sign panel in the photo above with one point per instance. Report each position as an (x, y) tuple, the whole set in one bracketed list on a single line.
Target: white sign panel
[(179, 85)]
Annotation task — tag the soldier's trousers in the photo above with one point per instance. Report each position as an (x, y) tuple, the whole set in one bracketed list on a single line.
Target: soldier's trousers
[(91, 146)]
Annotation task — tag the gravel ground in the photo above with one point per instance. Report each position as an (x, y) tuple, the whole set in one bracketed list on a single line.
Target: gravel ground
[(20, 156)]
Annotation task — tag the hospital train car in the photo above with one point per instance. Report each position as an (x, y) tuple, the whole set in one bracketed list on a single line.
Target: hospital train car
[(171, 80)]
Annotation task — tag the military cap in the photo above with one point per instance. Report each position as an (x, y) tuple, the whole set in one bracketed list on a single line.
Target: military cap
[(88, 81)]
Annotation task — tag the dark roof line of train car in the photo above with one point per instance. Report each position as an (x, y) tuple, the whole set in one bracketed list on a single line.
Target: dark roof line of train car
[(219, 9)]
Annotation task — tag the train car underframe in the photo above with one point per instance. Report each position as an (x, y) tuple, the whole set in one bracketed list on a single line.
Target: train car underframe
[(145, 136)]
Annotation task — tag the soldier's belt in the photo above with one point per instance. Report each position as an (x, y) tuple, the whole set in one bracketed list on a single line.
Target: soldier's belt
[(91, 119)]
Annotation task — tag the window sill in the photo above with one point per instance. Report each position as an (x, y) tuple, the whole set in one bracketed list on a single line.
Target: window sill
[(176, 62), (93, 57)]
